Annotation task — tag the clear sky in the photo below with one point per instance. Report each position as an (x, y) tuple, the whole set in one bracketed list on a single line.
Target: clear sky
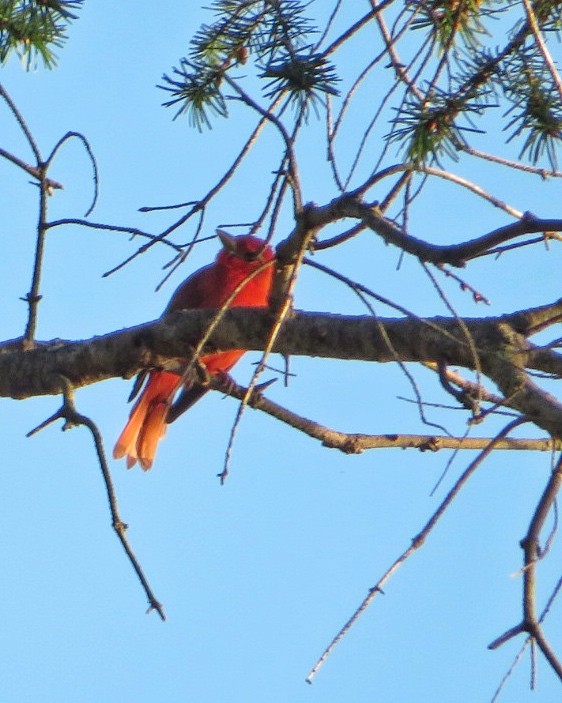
[(255, 576)]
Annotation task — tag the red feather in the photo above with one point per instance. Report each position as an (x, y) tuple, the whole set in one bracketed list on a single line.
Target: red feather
[(209, 287)]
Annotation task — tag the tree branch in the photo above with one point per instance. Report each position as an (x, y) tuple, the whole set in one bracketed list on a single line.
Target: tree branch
[(349, 337), (73, 418), (453, 254), (417, 542), (501, 348), (356, 443)]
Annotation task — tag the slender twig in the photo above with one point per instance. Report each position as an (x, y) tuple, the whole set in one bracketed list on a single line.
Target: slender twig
[(206, 199), (281, 314), (498, 251), (339, 238), (465, 331), (396, 62), (357, 443), (467, 387), (542, 47), (555, 591), (377, 175), (133, 231), (89, 151), (73, 418), (33, 171), (328, 25), (351, 31), (33, 297), (40, 173), (23, 124), (268, 114), (275, 329), (477, 296), (472, 187), (180, 258), (417, 542), (530, 544), (544, 173)]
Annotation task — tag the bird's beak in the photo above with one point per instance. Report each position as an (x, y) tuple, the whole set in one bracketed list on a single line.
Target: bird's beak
[(228, 241)]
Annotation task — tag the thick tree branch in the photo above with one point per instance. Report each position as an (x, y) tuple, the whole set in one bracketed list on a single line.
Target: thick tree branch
[(158, 343), (350, 337), (502, 349)]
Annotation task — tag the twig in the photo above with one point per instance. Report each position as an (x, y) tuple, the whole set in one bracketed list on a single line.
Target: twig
[(359, 287), (119, 526), (281, 315), (532, 552), (22, 123), (33, 171), (349, 32), (204, 201), (417, 542), (467, 387), (475, 402), (72, 418), (89, 151), (544, 173), (498, 251), (133, 231), (463, 285), (526, 643), (33, 297), (356, 443), (268, 115), (542, 47), (180, 258)]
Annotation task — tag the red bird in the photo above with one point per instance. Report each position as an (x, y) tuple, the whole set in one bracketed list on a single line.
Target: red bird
[(209, 287)]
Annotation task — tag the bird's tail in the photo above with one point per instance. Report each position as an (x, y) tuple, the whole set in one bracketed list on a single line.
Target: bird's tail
[(147, 421)]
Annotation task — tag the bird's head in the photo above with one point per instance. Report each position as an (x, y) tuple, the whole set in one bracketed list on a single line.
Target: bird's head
[(253, 252)]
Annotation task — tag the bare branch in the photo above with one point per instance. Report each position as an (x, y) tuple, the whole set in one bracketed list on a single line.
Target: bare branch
[(73, 418), (89, 151), (206, 199), (268, 115), (417, 542), (33, 171), (23, 125), (133, 231), (454, 254), (530, 544), (33, 297), (356, 443)]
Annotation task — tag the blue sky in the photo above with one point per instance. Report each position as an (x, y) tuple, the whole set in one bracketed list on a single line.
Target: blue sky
[(258, 575)]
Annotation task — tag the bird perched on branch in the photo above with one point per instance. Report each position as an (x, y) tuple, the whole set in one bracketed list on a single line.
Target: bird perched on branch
[(240, 276)]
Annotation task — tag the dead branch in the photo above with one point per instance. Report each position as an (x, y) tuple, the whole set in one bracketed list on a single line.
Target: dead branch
[(355, 443), (532, 550), (417, 542), (72, 418)]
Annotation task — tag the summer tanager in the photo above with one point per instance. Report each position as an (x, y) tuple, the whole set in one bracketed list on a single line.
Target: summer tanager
[(210, 287)]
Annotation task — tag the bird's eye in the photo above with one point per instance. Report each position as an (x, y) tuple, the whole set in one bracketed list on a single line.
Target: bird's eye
[(251, 256)]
